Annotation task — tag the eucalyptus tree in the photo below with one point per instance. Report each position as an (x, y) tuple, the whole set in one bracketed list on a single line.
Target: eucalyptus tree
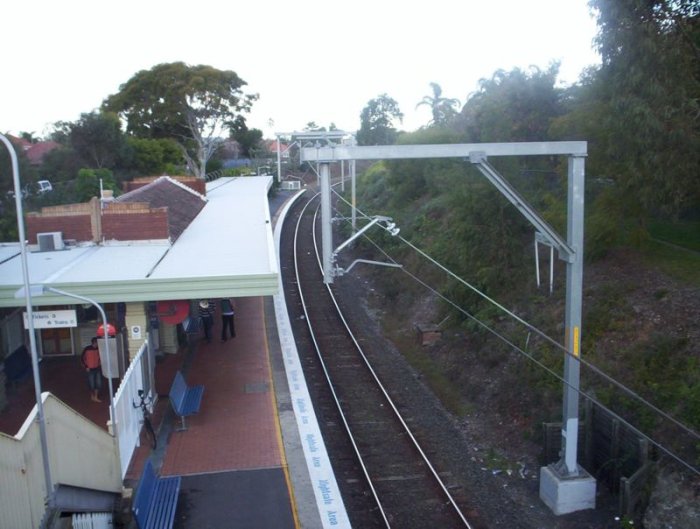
[(650, 85), (443, 109), (377, 121), (193, 105)]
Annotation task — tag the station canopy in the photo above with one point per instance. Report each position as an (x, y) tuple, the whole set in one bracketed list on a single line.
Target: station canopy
[(226, 251)]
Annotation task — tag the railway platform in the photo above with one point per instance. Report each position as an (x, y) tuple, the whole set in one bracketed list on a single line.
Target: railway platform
[(253, 457)]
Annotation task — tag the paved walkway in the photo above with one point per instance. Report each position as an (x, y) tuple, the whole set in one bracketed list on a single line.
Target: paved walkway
[(236, 428), (231, 455)]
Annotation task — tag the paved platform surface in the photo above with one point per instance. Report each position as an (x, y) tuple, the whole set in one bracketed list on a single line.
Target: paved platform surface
[(242, 459), (236, 427), (231, 457)]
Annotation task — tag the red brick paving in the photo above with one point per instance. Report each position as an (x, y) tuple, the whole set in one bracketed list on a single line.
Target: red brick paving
[(64, 377), (236, 427)]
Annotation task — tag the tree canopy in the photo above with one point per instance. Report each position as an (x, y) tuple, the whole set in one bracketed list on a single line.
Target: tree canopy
[(192, 105), (512, 106), (377, 121), (96, 137), (649, 84), (443, 109)]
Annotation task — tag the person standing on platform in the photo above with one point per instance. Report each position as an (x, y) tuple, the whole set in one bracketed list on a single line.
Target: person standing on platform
[(206, 314), (227, 319), (91, 361)]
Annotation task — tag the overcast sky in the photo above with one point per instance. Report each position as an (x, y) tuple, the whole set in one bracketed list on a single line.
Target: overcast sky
[(309, 60)]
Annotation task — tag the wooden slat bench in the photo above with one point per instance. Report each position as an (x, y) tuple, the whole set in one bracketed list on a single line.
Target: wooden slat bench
[(185, 400), (155, 500)]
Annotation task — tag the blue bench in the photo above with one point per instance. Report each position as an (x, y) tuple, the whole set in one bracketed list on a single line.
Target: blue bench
[(185, 400), (155, 500)]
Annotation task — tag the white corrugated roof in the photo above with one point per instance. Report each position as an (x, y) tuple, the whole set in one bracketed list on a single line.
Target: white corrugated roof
[(227, 250)]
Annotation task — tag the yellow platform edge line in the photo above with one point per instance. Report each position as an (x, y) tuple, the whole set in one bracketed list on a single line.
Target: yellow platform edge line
[(278, 428)]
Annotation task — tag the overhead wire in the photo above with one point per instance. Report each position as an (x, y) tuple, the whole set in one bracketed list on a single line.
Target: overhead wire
[(541, 333)]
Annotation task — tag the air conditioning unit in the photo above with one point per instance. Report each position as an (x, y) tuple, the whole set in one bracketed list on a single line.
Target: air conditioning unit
[(49, 241)]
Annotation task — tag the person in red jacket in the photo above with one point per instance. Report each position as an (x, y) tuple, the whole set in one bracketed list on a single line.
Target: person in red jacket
[(91, 361)]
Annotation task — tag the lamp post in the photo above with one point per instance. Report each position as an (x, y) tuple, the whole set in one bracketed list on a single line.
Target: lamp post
[(30, 321), (104, 327)]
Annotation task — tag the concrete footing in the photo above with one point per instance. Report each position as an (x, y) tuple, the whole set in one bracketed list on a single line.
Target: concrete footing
[(564, 494)]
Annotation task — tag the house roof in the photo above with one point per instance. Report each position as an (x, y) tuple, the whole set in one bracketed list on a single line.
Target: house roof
[(227, 250), (183, 203), (36, 152)]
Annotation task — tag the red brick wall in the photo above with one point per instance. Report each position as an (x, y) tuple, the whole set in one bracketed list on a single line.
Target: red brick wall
[(134, 222), (76, 226)]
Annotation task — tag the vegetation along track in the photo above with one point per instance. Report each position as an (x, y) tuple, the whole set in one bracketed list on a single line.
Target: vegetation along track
[(385, 477)]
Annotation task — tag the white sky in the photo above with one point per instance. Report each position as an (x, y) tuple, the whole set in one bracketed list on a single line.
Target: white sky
[(310, 60)]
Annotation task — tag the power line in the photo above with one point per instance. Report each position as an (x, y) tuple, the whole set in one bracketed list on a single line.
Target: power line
[(593, 368), (542, 334)]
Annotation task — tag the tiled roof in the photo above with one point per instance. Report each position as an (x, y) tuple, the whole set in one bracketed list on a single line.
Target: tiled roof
[(37, 151), (183, 203)]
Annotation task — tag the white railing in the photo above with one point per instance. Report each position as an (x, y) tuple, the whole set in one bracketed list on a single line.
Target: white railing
[(128, 417), (97, 520), (81, 453)]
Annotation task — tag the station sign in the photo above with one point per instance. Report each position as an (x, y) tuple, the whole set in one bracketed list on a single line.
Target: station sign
[(52, 319)]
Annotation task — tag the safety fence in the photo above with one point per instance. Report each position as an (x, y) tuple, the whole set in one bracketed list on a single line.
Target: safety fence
[(610, 451)]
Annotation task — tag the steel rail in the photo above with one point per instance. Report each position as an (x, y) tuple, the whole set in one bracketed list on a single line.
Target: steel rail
[(325, 370), (381, 387)]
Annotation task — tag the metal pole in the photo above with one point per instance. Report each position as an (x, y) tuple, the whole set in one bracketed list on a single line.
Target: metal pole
[(537, 263), (279, 161), (342, 176), (326, 233), (30, 322), (574, 296), (551, 269), (354, 196), (109, 364)]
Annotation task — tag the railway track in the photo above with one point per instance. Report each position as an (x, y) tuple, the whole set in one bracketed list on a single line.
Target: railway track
[(385, 477)]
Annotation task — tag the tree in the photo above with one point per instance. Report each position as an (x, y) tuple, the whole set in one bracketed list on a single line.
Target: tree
[(650, 77), (154, 156), (442, 108), (97, 138), (192, 105), (248, 139), (512, 106), (377, 121), (87, 185)]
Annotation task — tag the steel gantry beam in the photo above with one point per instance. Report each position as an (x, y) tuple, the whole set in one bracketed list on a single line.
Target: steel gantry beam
[(564, 486)]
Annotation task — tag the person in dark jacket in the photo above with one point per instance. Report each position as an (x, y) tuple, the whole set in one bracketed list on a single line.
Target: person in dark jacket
[(227, 319)]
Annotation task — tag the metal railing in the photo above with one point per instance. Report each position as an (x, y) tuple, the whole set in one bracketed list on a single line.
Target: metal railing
[(128, 417)]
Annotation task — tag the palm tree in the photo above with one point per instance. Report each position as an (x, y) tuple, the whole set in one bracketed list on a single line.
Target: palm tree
[(443, 108)]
